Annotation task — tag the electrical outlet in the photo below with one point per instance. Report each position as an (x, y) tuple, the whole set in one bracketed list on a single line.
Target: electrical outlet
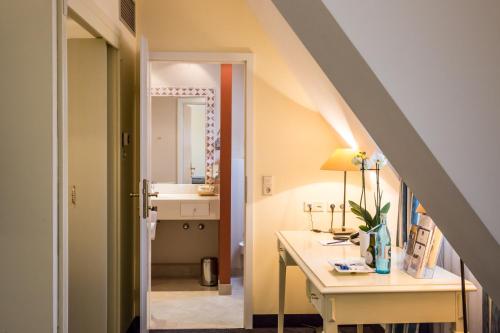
[(314, 206)]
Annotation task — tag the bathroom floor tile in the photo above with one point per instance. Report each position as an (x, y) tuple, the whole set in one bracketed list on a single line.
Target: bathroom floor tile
[(197, 309), (178, 284)]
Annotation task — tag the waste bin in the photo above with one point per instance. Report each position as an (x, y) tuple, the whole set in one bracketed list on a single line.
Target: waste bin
[(209, 272)]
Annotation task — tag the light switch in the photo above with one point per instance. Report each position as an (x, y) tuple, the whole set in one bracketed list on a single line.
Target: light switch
[(267, 185)]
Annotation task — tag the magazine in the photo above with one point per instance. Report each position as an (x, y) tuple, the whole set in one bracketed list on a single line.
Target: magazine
[(424, 243)]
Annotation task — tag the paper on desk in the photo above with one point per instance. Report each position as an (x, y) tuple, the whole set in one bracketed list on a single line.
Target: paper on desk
[(333, 242)]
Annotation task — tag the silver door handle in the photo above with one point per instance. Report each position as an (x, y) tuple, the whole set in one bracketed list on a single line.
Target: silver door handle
[(154, 194)]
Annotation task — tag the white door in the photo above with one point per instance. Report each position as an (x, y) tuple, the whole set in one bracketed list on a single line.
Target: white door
[(144, 186), (87, 175)]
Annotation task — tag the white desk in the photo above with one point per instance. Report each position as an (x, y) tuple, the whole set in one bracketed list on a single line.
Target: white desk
[(366, 298)]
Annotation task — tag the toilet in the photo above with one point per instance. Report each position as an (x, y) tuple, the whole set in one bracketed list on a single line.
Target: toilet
[(242, 254)]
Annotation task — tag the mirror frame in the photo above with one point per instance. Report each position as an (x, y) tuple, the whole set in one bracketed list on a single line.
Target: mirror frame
[(209, 94)]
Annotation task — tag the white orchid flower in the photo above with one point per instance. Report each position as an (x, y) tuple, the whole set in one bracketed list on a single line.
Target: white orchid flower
[(379, 159), (356, 160)]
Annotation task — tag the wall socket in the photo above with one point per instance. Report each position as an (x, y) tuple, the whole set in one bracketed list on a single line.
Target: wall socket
[(320, 206), (314, 206)]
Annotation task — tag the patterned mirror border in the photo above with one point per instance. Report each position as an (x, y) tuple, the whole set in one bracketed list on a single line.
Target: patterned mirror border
[(209, 94)]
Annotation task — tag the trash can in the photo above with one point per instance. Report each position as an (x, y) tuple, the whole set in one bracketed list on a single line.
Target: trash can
[(209, 272)]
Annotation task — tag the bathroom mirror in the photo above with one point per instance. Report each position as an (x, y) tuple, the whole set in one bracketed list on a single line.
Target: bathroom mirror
[(191, 140), (179, 149)]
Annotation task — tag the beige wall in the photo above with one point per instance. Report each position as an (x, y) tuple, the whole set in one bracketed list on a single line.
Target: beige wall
[(28, 208), (291, 141)]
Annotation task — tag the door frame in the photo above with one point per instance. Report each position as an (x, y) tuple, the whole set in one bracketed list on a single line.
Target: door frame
[(247, 60), (95, 21)]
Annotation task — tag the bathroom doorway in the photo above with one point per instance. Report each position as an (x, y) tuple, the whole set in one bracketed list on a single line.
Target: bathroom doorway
[(199, 273), (196, 220)]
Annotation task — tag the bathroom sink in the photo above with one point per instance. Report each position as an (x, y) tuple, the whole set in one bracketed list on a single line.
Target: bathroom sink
[(184, 197)]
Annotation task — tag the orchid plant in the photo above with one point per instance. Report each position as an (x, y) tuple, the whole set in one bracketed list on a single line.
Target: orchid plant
[(377, 161)]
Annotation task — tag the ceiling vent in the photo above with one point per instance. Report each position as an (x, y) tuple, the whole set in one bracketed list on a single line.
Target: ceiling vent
[(127, 14)]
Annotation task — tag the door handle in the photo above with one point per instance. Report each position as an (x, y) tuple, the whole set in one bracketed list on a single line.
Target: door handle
[(145, 197)]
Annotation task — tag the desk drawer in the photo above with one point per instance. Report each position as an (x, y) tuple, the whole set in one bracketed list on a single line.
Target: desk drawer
[(198, 209), (314, 296)]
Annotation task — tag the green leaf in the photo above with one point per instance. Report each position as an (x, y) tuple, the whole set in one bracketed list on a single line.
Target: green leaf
[(385, 209), (364, 228)]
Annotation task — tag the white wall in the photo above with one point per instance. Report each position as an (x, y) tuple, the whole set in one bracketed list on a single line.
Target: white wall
[(28, 146)]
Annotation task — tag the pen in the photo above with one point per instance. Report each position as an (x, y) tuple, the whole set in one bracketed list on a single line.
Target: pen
[(334, 242)]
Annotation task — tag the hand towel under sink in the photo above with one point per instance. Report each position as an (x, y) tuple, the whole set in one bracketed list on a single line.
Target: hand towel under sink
[(153, 216)]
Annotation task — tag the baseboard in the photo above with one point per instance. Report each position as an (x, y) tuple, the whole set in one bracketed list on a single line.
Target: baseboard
[(135, 326), (188, 270), (291, 320), (304, 320), (225, 289)]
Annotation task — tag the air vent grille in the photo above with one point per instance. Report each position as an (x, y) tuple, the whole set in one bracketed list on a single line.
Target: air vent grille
[(127, 14)]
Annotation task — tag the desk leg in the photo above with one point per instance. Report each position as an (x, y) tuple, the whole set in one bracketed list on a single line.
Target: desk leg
[(458, 325), (359, 328), (281, 306), (330, 326)]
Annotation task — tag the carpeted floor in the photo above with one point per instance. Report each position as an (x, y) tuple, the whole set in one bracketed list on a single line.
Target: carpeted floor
[(134, 328), (343, 329)]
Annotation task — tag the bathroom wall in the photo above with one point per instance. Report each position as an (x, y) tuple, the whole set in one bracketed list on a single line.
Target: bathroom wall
[(174, 245), (164, 139), (185, 75), (291, 141)]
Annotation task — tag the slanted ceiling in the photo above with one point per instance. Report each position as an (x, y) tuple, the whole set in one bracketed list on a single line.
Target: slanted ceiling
[(413, 151)]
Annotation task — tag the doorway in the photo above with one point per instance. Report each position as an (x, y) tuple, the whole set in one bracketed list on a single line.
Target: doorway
[(192, 106), (192, 231)]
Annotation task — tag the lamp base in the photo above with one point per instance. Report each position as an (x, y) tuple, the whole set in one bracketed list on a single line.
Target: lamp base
[(343, 231)]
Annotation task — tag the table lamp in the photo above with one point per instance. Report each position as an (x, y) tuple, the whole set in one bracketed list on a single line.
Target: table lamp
[(341, 160)]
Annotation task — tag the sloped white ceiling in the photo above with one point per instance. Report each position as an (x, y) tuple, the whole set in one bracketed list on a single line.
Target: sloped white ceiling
[(423, 78), (440, 62)]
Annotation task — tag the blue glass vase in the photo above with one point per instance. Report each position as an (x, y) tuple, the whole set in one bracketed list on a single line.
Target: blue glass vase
[(383, 247)]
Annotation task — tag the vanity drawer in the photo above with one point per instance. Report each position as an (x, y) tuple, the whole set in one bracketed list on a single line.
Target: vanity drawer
[(314, 296), (195, 209)]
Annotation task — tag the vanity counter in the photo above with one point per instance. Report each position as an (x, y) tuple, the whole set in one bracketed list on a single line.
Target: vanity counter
[(186, 206), (185, 197)]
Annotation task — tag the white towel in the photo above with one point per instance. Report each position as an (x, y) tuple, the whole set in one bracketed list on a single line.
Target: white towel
[(153, 217)]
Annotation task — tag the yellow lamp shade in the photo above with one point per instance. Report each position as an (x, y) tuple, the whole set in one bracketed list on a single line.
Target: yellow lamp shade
[(341, 160)]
